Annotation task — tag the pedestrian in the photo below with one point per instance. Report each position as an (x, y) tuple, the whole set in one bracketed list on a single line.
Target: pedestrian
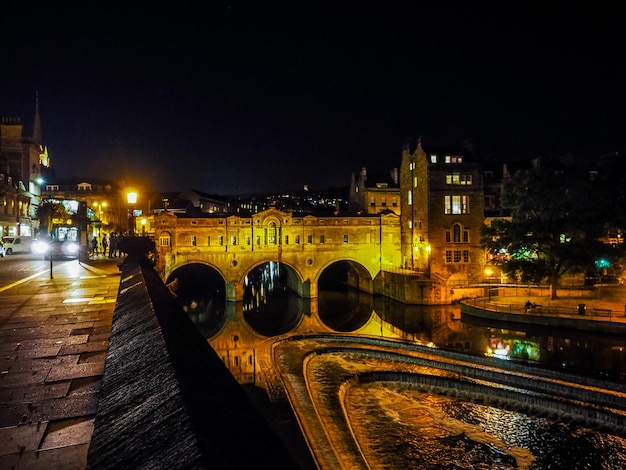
[(105, 244), (94, 246), (529, 305), (113, 245)]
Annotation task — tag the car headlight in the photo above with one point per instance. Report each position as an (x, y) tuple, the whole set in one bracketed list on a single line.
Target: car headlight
[(71, 248), (40, 247)]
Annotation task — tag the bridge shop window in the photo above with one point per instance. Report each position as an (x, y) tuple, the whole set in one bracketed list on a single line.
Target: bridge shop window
[(194, 240), (297, 239), (258, 240), (322, 239), (220, 240), (233, 240), (271, 233), (345, 238), (309, 239), (248, 240), (286, 239), (164, 240)]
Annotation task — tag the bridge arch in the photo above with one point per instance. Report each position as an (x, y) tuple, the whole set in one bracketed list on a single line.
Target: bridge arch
[(294, 279), (353, 272), (307, 244), (200, 289)]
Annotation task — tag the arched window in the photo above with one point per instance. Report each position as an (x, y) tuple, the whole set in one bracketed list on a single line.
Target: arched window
[(456, 233), (271, 233)]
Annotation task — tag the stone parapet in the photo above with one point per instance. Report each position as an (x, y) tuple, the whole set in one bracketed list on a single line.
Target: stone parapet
[(167, 400)]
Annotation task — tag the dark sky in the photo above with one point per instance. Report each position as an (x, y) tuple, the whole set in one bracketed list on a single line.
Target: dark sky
[(232, 97)]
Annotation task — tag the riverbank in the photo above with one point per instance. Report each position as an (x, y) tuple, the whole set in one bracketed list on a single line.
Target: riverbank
[(600, 309), (611, 298)]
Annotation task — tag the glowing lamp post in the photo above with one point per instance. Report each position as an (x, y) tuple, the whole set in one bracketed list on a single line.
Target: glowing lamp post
[(131, 197), (488, 273)]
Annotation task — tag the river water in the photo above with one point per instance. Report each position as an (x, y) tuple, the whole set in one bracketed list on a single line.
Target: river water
[(400, 426)]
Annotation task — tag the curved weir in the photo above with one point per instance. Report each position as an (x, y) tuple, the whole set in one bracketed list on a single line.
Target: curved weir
[(322, 376)]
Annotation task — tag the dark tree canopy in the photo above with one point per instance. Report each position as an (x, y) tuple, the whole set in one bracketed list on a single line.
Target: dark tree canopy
[(557, 218)]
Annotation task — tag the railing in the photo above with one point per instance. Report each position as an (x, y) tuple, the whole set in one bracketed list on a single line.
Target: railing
[(539, 310)]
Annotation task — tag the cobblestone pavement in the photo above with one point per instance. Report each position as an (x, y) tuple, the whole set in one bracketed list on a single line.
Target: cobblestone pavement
[(53, 338)]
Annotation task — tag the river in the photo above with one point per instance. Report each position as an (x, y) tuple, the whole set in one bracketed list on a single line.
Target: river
[(398, 425)]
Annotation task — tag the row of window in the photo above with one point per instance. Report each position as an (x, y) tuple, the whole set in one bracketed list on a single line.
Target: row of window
[(451, 256), (383, 202), (458, 204), (460, 179), (165, 240), (9, 207), (457, 256)]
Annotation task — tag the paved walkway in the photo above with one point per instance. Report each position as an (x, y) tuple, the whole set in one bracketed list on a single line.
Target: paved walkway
[(53, 337), (605, 303)]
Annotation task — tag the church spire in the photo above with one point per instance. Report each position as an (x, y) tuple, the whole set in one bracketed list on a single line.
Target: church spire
[(37, 137)]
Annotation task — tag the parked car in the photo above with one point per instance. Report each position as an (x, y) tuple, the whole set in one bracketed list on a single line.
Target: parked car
[(2, 249), (19, 244)]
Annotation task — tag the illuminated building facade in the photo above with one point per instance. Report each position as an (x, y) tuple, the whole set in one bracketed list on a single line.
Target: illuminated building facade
[(22, 159), (442, 213)]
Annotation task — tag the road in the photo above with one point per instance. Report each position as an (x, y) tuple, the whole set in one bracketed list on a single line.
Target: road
[(21, 267)]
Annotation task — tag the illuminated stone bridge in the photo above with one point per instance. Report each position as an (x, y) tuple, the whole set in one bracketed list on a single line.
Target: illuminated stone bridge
[(305, 245)]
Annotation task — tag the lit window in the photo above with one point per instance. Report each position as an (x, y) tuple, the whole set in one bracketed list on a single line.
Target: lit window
[(345, 238), (433, 159), (456, 204), (233, 240), (164, 241), (410, 198), (193, 240), (271, 233)]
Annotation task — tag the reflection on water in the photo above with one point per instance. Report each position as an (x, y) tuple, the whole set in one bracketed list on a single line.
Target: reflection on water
[(399, 427), (274, 311)]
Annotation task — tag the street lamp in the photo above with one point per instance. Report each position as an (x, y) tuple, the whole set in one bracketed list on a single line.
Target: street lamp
[(488, 273), (131, 198)]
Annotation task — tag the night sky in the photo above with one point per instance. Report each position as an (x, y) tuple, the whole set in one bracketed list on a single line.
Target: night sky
[(239, 97)]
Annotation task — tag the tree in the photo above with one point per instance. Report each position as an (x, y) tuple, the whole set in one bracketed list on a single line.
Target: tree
[(554, 227)]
